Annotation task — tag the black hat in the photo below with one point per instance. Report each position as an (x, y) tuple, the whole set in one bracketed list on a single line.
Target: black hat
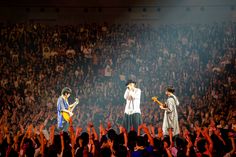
[(66, 90), (170, 89), (130, 81)]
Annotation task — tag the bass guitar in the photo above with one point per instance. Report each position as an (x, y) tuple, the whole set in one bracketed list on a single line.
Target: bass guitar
[(155, 99)]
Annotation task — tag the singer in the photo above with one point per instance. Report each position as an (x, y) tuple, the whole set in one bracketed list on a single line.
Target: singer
[(132, 118)]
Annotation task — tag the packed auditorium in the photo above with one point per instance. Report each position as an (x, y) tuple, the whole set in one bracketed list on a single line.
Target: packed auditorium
[(118, 79)]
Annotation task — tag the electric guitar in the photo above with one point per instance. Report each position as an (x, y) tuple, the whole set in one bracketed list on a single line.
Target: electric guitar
[(66, 115), (155, 99)]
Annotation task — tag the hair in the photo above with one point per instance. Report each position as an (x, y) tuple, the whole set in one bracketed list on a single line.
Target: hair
[(105, 152), (103, 139), (66, 90), (29, 148), (85, 137), (111, 134), (130, 81), (140, 141), (201, 145), (157, 143), (170, 89), (121, 139), (167, 140), (132, 137)]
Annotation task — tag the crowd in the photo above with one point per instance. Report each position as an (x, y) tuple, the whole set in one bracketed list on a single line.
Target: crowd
[(95, 60)]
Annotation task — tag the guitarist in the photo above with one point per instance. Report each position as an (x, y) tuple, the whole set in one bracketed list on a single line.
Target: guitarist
[(170, 120), (63, 106)]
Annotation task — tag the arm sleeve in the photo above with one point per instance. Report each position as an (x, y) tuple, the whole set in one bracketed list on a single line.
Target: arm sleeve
[(170, 105), (136, 95), (126, 94), (61, 106)]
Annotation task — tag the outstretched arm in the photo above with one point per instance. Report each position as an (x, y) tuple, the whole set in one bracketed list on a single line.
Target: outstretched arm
[(217, 133), (52, 130), (205, 133), (94, 133), (102, 131), (42, 147), (72, 137), (62, 143), (122, 130), (146, 131), (233, 145)]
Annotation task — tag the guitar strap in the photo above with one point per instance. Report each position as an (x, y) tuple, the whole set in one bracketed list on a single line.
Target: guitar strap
[(65, 104), (173, 98), (168, 98)]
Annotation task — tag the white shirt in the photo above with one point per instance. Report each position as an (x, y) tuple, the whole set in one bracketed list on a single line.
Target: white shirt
[(132, 101)]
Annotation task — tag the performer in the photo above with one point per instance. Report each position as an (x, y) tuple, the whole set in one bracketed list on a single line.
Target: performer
[(63, 108), (171, 115), (132, 117)]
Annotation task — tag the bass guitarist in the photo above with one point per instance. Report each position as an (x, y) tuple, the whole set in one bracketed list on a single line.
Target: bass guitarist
[(64, 110), (170, 120)]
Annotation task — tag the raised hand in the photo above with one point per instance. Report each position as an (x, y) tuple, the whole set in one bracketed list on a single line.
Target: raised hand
[(71, 129), (190, 144), (152, 128), (76, 100), (160, 132), (22, 129), (205, 132), (186, 132), (145, 129), (108, 124), (198, 131), (41, 127), (101, 127), (90, 124), (110, 143), (52, 128), (78, 131), (122, 129)]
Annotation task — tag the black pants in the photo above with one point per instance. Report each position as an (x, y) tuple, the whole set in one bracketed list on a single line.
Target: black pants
[(132, 121)]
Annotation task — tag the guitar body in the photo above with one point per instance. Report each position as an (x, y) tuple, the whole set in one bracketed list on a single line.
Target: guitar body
[(66, 115)]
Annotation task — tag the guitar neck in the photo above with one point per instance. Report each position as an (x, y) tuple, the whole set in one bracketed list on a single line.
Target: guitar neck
[(73, 106), (159, 103)]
